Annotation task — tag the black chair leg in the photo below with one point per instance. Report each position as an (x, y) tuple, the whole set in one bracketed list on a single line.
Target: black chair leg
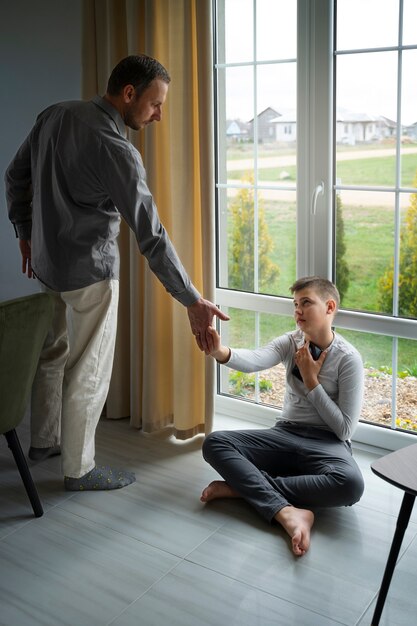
[(14, 445), (401, 527)]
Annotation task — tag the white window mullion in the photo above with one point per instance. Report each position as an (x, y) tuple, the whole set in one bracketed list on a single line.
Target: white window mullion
[(314, 138)]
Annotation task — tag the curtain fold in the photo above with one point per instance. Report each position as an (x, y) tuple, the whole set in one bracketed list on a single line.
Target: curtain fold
[(160, 378)]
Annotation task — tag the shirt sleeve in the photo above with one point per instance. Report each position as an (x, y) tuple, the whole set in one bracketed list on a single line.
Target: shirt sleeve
[(124, 177), (259, 359), (342, 418), (18, 183)]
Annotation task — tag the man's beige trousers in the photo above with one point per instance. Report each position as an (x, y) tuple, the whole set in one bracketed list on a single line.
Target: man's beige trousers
[(73, 376)]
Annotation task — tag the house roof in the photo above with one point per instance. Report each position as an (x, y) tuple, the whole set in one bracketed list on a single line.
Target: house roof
[(287, 118), (262, 113), (344, 115)]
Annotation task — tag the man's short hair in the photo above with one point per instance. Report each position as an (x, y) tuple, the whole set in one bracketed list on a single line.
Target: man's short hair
[(323, 287), (137, 70)]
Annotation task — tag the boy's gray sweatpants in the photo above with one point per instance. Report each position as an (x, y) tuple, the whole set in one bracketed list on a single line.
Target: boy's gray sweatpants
[(285, 465)]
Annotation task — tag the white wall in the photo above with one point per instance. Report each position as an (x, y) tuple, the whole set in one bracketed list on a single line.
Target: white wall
[(40, 52)]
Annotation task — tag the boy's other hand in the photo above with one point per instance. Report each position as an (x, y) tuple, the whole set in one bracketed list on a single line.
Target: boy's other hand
[(309, 368)]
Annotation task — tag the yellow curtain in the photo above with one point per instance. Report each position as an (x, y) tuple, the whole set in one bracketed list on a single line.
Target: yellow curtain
[(160, 378)]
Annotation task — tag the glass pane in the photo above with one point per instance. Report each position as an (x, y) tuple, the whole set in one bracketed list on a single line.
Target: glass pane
[(276, 29), (364, 247), (365, 166), (367, 23), (241, 239), (236, 151), (276, 103), (407, 305), (366, 108), (402, 301), (376, 351), (247, 329), (409, 119), (222, 237), (409, 23), (235, 32), (263, 259), (277, 237), (236, 238), (406, 416)]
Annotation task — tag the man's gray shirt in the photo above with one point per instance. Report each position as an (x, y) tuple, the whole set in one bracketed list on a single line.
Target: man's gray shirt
[(67, 186)]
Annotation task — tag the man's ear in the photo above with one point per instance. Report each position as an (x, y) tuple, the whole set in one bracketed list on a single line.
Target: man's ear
[(128, 93)]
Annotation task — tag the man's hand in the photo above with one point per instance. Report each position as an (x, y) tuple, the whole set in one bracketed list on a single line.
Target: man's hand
[(201, 315), (309, 368), (24, 245)]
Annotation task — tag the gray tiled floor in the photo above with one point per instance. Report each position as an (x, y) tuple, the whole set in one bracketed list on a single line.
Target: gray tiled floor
[(152, 554)]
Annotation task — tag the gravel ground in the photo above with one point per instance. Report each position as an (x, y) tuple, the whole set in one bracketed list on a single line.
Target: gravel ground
[(377, 401)]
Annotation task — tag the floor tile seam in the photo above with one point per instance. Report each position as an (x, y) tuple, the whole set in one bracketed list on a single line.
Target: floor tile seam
[(403, 552), (345, 579), (141, 595), (46, 509), (215, 531), (119, 532), (367, 608), (14, 530), (266, 592), (141, 541), (394, 514), (188, 514)]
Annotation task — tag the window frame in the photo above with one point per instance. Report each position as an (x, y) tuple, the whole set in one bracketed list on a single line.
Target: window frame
[(316, 193)]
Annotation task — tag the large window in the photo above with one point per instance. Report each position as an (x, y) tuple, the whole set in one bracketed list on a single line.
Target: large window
[(317, 174)]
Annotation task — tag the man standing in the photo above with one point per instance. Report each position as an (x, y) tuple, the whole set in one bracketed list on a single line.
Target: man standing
[(67, 186)]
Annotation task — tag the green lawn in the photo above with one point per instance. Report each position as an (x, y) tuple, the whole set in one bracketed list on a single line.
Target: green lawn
[(369, 241), (369, 238), (376, 172)]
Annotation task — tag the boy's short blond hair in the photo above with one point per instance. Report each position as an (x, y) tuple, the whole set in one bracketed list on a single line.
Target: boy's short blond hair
[(323, 287)]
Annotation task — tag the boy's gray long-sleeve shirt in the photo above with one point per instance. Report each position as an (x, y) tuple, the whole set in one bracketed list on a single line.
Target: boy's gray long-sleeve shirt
[(335, 404), (67, 186)]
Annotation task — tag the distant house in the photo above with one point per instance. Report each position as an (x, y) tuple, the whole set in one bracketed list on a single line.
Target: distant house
[(236, 130), (387, 127), (411, 131), (266, 129), (352, 127), (285, 127)]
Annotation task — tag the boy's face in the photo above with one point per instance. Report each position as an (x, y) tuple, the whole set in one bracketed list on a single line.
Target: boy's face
[(313, 314)]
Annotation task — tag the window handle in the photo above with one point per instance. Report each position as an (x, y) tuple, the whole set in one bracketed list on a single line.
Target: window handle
[(316, 193)]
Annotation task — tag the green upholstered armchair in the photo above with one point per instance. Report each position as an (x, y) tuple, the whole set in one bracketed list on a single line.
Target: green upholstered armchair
[(24, 324)]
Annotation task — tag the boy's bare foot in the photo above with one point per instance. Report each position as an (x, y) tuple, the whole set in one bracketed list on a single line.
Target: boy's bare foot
[(218, 489), (297, 523)]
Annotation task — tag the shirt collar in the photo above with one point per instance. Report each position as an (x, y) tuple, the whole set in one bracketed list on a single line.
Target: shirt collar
[(112, 112)]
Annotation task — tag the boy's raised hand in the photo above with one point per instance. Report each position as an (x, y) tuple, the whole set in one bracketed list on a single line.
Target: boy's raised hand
[(309, 368)]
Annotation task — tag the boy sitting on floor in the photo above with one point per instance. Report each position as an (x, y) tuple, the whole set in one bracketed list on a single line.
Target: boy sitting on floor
[(305, 460)]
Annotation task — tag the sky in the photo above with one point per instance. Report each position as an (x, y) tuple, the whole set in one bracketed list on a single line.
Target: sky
[(366, 82)]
